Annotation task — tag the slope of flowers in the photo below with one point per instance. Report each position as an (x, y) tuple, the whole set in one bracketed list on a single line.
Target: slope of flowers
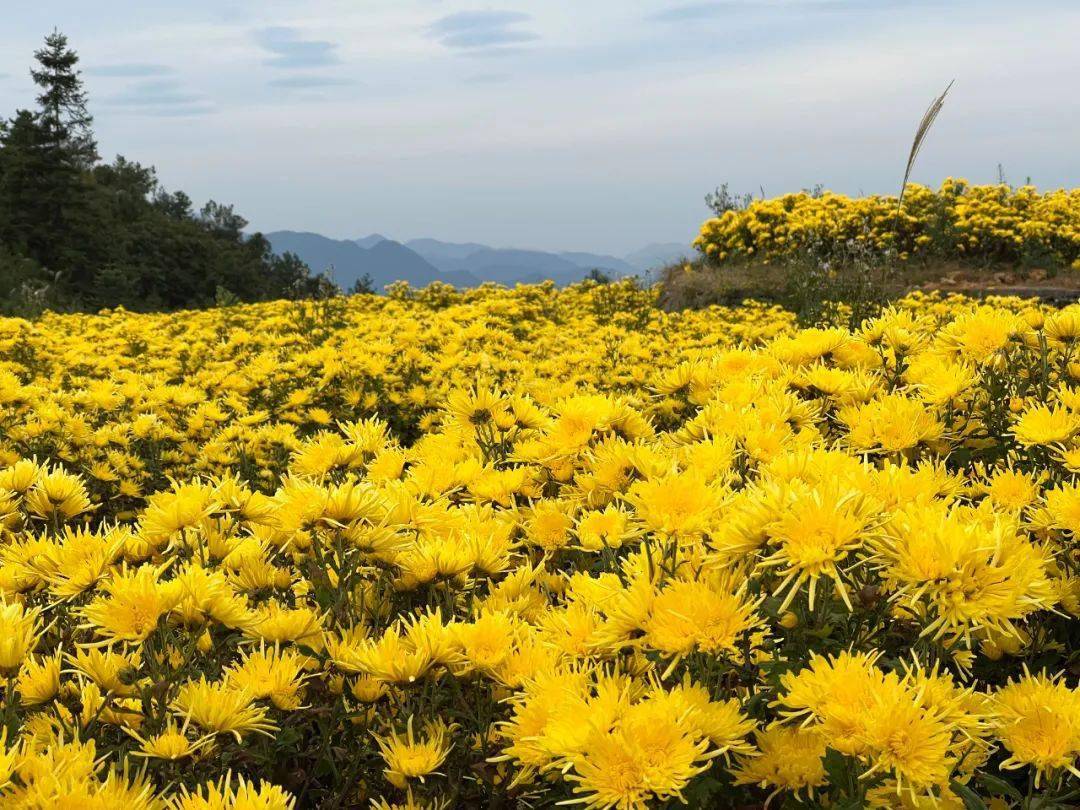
[(992, 223), (515, 548)]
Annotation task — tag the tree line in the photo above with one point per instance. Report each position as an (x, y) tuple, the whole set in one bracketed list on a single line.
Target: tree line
[(79, 234)]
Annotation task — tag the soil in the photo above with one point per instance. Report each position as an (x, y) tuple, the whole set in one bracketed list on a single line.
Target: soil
[(1060, 288), (731, 284)]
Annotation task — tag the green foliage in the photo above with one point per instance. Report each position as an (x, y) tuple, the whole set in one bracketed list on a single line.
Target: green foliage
[(79, 234), (365, 285)]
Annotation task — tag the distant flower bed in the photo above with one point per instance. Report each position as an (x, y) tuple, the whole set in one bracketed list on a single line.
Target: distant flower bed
[(982, 224)]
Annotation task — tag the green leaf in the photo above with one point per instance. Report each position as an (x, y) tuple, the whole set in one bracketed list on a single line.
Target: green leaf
[(701, 791), (999, 787), (836, 765), (972, 800)]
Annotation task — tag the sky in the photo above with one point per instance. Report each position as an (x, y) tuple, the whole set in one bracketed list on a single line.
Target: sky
[(591, 125)]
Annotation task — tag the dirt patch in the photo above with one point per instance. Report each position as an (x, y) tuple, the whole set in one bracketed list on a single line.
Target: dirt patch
[(1059, 288), (695, 285)]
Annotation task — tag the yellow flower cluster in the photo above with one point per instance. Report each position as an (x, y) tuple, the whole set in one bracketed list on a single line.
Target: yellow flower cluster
[(991, 223), (520, 547)]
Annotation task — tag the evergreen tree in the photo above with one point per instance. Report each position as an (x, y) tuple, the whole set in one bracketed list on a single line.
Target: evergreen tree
[(22, 164), (43, 193), (365, 285), (79, 234), (64, 117)]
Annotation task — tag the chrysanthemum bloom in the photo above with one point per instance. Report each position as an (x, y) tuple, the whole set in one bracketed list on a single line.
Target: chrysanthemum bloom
[(171, 743), (940, 381), (62, 784), (58, 495), (1063, 507), (391, 658), (891, 424), (982, 335), (963, 570), (709, 615), (10, 516), (486, 642), (548, 703), (430, 633), (787, 758), (96, 708), (1063, 327), (21, 476), (1043, 425), (18, 635), (411, 803), (270, 673), (277, 624), (79, 559), (407, 757), (135, 602), (549, 525), (815, 533), (222, 709), (910, 741), (1011, 489), (1039, 724), (207, 596), (600, 529), (222, 794), (647, 757), (838, 693), (39, 680), (368, 690), (172, 511), (478, 409), (113, 672), (722, 722), (681, 506)]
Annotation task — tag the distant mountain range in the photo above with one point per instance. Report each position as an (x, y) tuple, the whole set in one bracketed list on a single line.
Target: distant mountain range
[(466, 264)]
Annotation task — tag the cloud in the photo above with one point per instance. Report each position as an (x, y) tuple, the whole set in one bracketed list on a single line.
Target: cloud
[(482, 30), (162, 97), (487, 78), (290, 50), (135, 70), (181, 111), (310, 82), (691, 12)]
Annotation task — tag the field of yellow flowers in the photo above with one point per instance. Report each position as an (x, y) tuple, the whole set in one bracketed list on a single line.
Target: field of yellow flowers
[(521, 548), (982, 224)]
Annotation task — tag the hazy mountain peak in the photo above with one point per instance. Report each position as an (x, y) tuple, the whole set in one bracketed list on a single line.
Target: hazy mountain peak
[(658, 255), (463, 264), (371, 241)]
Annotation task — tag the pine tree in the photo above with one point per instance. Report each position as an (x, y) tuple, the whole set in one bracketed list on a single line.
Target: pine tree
[(64, 116), (45, 196), (87, 235)]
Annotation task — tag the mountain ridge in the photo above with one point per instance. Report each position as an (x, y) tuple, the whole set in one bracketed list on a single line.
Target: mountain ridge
[(462, 264)]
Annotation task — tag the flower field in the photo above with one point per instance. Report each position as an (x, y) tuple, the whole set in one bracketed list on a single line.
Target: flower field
[(979, 224), (516, 548)]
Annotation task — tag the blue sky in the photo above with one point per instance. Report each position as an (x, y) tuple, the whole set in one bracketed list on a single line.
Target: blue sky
[(592, 125)]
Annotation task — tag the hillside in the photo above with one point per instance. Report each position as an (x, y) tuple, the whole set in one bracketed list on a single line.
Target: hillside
[(463, 264), (385, 261), (512, 265), (658, 255)]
